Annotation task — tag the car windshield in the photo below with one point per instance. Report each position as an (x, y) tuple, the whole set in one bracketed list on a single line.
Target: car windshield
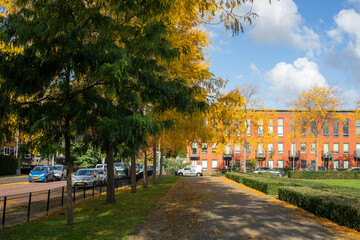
[(40, 169), (84, 172), (101, 165), (120, 165), (57, 168)]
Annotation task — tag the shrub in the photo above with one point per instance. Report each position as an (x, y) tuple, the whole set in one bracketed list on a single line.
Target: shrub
[(8, 165), (185, 164), (324, 175)]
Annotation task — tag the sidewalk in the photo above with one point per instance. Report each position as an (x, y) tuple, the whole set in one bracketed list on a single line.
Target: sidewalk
[(218, 208), (13, 179)]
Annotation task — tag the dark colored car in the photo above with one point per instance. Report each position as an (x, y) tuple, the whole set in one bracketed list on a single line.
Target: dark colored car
[(320, 169), (122, 169), (25, 169)]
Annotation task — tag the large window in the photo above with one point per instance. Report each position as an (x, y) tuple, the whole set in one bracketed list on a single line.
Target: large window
[(204, 148), (357, 127), (260, 150), (293, 149), (346, 163), (248, 127), (260, 128), (346, 148), (303, 148), (237, 149), (214, 165), (270, 148), (336, 148), (280, 163), (280, 148), (214, 148), (292, 126), (313, 129), (346, 128), (228, 149), (280, 127), (303, 164), (313, 163), (271, 126), (313, 148), (194, 149), (335, 128), (271, 163), (6, 151), (326, 149), (358, 150), (248, 148), (204, 164), (303, 128), (326, 128)]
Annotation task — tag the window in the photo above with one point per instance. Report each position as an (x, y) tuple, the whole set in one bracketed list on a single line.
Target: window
[(6, 151), (271, 163), (346, 163), (313, 148), (194, 149), (337, 164), (248, 148), (336, 148), (313, 162), (260, 150), (346, 128), (204, 164), (204, 148), (237, 149), (270, 126), (313, 128), (280, 148), (270, 148), (292, 126), (280, 127), (326, 128), (303, 164), (346, 148), (357, 127), (214, 165), (326, 149), (248, 127), (303, 148), (293, 149), (358, 150), (228, 149), (260, 128), (28, 155), (280, 163), (214, 148), (303, 128), (335, 128)]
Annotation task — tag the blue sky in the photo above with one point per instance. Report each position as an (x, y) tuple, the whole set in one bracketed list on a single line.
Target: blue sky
[(292, 45)]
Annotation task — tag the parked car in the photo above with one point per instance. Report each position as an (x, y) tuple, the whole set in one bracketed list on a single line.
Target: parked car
[(41, 174), (59, 172), (103, 166), (320, 169), (139, 167), (25, 169), (269, 170), (103, 175), (150, 167), (190, 170), (354, 169), (122, 169), (86, 178)]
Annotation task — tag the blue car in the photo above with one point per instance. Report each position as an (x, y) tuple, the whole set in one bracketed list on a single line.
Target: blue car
[(41, 174)]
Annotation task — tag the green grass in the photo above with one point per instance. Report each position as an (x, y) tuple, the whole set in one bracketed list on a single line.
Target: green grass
[(93, 219), (355, 183)]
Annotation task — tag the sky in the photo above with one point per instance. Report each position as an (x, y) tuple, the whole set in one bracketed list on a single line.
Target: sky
[(292, 45)]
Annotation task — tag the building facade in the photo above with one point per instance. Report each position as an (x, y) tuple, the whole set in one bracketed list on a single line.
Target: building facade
[(339, 147)]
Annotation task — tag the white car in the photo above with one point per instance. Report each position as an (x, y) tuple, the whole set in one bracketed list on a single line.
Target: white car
[(59, 172), (190, 170)]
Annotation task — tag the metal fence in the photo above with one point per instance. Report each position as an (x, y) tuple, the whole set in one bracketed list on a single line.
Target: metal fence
[(20, 208)]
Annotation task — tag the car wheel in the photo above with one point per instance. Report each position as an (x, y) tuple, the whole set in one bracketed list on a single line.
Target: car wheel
[(180, 174), (198, 174), (62, 178), (46, 179), (53, 178)]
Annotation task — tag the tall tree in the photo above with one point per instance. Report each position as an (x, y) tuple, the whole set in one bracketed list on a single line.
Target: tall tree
[(314, 108)]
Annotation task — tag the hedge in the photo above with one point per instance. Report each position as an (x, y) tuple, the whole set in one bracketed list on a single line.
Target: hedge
[(339, 208), (8, 165), (324, 175)]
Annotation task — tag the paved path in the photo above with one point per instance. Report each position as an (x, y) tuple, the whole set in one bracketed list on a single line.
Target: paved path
[(218, 208), (13, 179)]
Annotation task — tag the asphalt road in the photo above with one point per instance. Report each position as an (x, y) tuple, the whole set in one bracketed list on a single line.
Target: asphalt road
[(13, 179)]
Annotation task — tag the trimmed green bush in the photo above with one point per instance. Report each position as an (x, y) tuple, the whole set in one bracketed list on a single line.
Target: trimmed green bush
[(339, 208), (8, 165), (324, 175)]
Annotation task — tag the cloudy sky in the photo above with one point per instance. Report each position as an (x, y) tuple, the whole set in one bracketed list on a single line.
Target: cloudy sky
[(292, 45)]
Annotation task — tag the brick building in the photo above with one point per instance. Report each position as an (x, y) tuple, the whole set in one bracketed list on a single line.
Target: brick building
[(339, 147)]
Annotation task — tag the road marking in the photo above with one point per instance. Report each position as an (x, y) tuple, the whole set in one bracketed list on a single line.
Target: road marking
[(4, 184)]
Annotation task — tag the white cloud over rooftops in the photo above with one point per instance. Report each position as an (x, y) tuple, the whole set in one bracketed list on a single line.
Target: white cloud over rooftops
[(281, 23)]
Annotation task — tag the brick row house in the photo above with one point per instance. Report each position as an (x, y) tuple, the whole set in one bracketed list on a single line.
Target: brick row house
[(339, 147)]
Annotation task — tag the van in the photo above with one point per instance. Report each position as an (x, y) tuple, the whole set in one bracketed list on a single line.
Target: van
[(190, 170)]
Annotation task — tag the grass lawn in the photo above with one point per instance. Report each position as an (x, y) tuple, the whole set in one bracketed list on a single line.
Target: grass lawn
[(93, 219), (355, 183)]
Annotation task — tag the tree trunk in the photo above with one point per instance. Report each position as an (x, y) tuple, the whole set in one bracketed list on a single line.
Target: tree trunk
[(161, 164), (317, 154), (145, 175), (154, 165), (69, 166), (133, 174), (244, 157), (110, 194)]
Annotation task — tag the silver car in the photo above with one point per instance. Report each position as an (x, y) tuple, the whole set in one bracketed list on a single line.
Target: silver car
[(86, 178), (103, 175), (269, 170), (59, 172)]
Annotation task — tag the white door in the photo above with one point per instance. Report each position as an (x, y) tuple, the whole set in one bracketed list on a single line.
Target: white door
[(187, 171), (193, 171)]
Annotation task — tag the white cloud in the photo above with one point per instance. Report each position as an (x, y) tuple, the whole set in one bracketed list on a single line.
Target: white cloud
[(288, 80), (336, 35), (280, 22), (254, 67), (240, 76), (348, 22)]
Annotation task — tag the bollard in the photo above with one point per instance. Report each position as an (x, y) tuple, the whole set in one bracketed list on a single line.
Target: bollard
[(84, 192), (4, 212), (29, 206), (74, 194), (93, 190), (48, 203), (62, 197), (100, 187)]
